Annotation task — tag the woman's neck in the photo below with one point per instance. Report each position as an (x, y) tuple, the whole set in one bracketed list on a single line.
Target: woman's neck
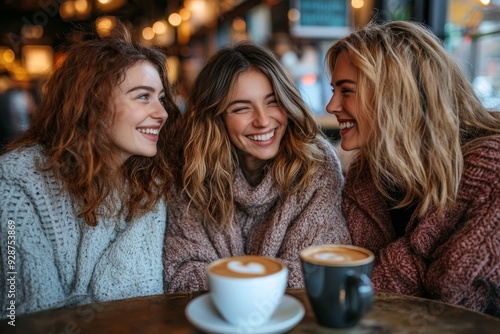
[(253, 169)]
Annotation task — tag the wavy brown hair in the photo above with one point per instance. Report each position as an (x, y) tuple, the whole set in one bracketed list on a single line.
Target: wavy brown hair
[(423, 110), (210, 160), (72, 126)]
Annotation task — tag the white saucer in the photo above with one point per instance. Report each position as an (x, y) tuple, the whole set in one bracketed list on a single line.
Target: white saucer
[(203, 315)]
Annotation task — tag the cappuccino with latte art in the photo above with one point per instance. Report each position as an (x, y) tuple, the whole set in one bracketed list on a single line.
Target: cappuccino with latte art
[(246, 266), (332, 255), (247, 289), (337, 280)]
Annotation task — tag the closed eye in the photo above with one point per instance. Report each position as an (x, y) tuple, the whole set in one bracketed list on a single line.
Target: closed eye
[(272, 102), (239, 110)]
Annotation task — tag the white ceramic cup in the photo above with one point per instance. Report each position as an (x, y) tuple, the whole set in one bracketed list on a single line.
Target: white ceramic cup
[(246, 290)]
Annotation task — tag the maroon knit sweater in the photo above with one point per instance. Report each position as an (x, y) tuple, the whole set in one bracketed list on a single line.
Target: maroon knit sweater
[(455, 259)]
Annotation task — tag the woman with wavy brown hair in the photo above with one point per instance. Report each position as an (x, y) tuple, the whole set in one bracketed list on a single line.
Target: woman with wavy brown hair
[(257, 175), (83, 188), (423, 192)]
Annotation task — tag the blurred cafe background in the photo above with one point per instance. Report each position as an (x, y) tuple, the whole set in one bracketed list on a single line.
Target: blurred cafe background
[(34, 35)]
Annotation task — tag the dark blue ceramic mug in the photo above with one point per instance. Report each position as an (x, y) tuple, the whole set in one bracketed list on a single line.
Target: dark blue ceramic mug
[(337, 281)]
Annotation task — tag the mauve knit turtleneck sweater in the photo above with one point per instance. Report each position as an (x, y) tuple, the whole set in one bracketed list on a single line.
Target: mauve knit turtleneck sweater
[(455, 259), (265, 224)]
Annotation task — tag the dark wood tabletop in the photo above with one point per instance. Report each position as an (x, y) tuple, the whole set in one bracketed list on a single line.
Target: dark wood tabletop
[(165, 314)]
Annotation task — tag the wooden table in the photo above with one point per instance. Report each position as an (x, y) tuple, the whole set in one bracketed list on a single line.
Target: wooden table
[(165, 314)]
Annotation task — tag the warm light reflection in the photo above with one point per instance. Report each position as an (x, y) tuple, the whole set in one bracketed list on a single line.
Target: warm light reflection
[(239, 24), (293, 15), (195, 5), (67, 9), (185, 14), (308, 79), (32, 31), (106, 6), (174, 19), (485, 2), (81, 6), (37, 59), (148, 33), (160, 27), (20, 73), (173, 66), (184, 32), (104, 25), (357, 4), (8, 56)]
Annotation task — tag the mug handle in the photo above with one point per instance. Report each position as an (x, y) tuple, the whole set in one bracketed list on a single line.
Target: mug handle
[(359, 296)]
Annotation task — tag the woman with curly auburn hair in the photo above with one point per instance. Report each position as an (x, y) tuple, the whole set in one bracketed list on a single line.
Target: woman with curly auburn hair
[(83, 188), (423, 192), (257, 175)]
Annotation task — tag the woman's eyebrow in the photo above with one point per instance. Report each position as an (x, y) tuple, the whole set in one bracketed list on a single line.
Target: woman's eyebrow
[(148, 88), (340, 82)]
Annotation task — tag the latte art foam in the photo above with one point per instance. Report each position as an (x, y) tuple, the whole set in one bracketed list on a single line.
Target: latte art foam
[(334, 255), (246, 266)]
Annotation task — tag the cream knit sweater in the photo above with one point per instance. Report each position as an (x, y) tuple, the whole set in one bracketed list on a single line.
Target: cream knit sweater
[(60, 260)]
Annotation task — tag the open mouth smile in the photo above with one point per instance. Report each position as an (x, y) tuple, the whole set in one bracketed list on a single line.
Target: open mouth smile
[(263, 137), (149, 131)]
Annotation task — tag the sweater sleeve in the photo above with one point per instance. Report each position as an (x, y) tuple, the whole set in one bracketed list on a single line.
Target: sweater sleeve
[(465, 268), (26, 255), (188, 249)]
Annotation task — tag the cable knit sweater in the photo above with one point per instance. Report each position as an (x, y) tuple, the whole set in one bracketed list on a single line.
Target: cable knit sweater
[(455, 259), (59, 259), (264, 224)]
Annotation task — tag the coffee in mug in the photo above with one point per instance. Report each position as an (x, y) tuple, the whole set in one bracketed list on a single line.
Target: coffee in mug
[(247, 289), (337, 281), (246, 266)]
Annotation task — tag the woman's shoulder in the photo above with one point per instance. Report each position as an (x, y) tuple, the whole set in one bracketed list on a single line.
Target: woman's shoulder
[(482, 159), (329, 151), (487, 149), (21, 161), (330, 166)]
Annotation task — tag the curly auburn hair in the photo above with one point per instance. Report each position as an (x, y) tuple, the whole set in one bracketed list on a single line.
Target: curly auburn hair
[(72, 125)]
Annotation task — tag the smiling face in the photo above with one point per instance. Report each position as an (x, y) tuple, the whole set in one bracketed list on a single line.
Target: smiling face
[(345, 106), (140, 113), (254, 121)]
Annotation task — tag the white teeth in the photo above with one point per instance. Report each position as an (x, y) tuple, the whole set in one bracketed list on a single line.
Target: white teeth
[(149, 131), (265, 137), (346, 125)]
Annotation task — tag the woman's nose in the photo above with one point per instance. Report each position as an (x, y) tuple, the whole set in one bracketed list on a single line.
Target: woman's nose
[(334, 105), (261, 118), (159, 111)]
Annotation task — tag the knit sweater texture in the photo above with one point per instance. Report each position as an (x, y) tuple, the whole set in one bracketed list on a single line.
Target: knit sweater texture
[(455, 258), (265, 224), (56, 258)]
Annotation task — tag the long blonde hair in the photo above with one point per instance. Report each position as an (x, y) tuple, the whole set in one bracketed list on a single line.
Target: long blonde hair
[(210, 160), (422, 107)]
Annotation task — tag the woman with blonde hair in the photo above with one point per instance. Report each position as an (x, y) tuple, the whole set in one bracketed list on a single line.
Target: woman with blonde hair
[(81, 192), (257, 175), (423, 192)]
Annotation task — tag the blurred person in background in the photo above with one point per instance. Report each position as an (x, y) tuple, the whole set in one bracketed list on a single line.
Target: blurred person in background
[(16, 109), (82, 191), (423, 192), (257, 176)]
